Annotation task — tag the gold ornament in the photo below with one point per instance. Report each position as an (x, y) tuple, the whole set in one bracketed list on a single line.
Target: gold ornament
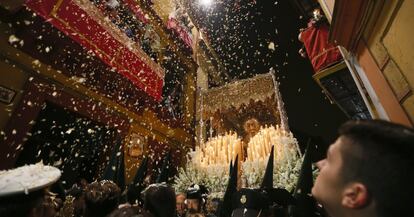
[(243, 199)]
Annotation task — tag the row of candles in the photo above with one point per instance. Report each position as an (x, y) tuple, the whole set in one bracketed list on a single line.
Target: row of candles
[(220, 150), (260, 145)]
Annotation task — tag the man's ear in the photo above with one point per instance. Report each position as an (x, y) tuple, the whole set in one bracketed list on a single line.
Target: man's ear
[(355, 196)]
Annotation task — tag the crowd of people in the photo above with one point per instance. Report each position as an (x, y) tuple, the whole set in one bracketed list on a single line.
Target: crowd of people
[(368, 172), (105, 198)]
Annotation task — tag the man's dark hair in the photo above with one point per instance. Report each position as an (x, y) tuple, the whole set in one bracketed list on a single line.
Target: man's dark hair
[(160, 200), (380, 155), (101, 198)]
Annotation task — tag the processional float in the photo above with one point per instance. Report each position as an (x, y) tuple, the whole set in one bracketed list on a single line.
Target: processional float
[(243, 118)]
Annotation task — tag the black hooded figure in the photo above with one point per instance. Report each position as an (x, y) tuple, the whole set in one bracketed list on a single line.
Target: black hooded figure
[(159, 198), (164, 174), (258, 202), (133, 191), (231, 166), (226, 206), (305, 203), (267, 182), (279, 198), (115, 170)]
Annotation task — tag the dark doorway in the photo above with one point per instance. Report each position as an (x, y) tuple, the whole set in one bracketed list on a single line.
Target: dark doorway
[(73, 143)]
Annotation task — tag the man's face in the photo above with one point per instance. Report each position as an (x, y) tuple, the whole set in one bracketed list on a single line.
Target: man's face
[(193, 204), (329, 186), (252, 126), (180, 205)]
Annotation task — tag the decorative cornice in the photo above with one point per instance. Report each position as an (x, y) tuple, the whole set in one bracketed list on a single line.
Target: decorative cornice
[(235, 94), (148, 121)]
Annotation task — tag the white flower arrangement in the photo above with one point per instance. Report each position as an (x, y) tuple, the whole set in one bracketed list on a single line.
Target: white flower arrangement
[(285, 172), (287, 164), (215, 178)]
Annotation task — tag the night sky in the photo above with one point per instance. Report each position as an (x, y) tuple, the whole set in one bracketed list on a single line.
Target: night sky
[(242, 34)]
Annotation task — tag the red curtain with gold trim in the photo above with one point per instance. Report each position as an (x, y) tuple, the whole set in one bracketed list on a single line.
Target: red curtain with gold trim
[(321, 53)]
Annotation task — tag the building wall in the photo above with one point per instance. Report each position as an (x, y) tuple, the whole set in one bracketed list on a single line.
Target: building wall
[(11, 77), (388, 37), (163, 8), (15, 69)]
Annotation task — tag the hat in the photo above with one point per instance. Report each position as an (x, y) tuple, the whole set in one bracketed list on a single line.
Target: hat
[(28, 178), (197, 192)]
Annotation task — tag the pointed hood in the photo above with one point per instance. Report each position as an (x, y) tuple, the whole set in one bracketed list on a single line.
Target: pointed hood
[(267, 182), (231, 167), (120, 172), (281, 196), (305, 203), (226, 207), (133, 194), (141, 173), (305, 180), (165, 168), (249, 202), (110, 172)]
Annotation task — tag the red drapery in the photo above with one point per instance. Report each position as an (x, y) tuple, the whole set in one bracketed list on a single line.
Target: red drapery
[(173, 24), (83, 22), (321, 53)]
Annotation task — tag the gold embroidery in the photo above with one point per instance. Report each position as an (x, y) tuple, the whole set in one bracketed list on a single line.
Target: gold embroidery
[(56, 7)]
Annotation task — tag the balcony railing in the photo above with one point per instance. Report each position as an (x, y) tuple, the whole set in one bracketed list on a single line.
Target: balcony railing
[(113, 42)]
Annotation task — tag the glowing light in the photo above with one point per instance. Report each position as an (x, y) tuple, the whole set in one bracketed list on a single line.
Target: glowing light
[(206, 3)]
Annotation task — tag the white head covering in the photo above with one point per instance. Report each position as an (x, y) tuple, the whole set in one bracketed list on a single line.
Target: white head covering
[(27, 178)]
